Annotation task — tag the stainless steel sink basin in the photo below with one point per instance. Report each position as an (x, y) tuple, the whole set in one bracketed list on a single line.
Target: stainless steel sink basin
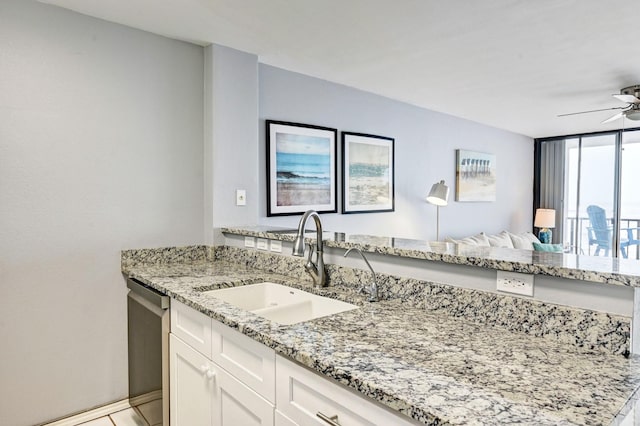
[(279, 303)]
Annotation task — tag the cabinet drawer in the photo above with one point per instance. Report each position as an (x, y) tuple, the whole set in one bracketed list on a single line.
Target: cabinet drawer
[(193, 327), (251, 362), (302, 395)]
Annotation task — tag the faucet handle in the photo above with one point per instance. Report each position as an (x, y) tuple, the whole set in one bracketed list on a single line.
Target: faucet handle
[(309, 265), (311, 251)]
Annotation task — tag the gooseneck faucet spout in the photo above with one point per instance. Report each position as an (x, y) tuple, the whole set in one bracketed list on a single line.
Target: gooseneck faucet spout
[(316, 270), (373, 287)]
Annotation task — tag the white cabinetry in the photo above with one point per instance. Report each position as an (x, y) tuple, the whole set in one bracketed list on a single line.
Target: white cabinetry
[(282, 420), (191, 392), (221, 377), (193, 327), (251, 362), (201, 391), (306, 398), (235, 404)]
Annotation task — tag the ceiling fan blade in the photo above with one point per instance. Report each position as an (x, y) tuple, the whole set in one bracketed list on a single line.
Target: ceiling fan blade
[(593, 110), (613, 118), (630, 99)]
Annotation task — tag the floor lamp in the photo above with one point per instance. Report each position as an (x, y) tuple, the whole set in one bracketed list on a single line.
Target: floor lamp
[(438, 196)]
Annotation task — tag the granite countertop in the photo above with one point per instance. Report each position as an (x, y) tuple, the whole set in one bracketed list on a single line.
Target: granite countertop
[(432, 368), (603, 270)]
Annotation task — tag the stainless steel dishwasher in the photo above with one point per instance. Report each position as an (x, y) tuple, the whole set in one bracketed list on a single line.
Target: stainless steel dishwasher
[(148, 335)]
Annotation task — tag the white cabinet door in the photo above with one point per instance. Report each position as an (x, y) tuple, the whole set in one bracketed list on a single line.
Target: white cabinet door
[(251, 362), (235, 404), (191, 385), (202, 393), (282, 420)]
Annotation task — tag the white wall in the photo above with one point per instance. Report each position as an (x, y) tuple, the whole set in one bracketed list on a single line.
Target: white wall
[(231, 135), (100, 149), (425, 153)]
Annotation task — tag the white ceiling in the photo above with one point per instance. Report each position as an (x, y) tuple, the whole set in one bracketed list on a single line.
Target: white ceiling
[(512, 64)]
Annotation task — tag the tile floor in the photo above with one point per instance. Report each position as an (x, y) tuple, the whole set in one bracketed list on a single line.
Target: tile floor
[(147, 414)]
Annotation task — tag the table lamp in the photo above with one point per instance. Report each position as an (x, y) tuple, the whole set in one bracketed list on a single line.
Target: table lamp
[(545, 219)]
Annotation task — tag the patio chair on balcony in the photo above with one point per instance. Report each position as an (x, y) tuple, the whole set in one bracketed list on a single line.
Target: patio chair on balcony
[(601, 233)]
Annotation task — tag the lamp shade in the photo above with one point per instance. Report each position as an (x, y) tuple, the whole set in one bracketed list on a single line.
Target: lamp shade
[(545, 218), (439, 194)]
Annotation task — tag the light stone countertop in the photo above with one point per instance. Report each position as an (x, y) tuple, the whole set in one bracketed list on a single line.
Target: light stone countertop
[(433, 368), (605, 270)]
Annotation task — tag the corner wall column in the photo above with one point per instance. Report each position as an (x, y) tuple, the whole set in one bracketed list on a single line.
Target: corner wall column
[(231, 139)]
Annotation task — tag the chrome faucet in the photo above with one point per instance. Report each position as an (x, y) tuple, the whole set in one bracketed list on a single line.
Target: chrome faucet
[(316, 270), (373, 287)]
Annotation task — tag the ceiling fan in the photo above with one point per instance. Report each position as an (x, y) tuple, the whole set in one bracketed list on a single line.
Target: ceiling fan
[(631, 96)]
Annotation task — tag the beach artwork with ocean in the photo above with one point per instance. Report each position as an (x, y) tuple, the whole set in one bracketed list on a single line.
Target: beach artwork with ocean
[(303, 170), (369, 185)]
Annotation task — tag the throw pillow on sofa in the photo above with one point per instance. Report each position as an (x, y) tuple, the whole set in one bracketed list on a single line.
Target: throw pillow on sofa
[(524, 241), (500, 240), (553, 248), (476, 240)]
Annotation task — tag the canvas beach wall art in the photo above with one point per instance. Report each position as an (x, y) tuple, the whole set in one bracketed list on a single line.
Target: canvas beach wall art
[(301, 168), (368, 173), (475, 176)]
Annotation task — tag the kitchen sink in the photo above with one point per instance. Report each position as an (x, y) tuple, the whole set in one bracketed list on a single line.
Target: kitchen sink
[(280, 303)]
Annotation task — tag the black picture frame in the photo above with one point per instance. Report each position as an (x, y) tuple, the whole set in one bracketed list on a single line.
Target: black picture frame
[(301, 168), (368, 173)]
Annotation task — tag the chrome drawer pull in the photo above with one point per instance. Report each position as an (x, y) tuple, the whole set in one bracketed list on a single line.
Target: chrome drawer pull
[(333, 420)]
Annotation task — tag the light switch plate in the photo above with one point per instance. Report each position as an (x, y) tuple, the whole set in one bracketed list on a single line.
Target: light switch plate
[(263, 244), (514, 282), (241, 197)]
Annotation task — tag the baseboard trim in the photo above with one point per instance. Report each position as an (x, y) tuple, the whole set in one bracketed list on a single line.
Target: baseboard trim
[(91, 414), (147, 397), (105, 410)]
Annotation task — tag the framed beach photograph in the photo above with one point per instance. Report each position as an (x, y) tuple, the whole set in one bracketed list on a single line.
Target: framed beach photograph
[(301, 168), (475, 176), (367, 173)]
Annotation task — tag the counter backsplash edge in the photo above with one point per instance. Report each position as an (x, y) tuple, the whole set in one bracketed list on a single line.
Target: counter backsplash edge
[(166, 255)]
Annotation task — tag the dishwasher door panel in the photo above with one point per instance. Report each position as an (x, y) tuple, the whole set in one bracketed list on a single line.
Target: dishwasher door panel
[(148, 335)]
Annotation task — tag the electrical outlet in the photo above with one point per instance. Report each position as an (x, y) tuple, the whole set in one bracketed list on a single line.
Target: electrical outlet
[(276, 246), (514, 282), (263, 244), (241, 197), (249, 242)]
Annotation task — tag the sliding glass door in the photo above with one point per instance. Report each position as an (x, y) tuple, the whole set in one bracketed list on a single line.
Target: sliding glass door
[(592, 183), (630, 194), (591, 194)]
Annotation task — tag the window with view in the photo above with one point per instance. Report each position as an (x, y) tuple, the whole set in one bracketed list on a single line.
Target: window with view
[(590, 180)]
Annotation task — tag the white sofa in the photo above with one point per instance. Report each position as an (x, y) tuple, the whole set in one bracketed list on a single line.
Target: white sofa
[(505, 239)]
